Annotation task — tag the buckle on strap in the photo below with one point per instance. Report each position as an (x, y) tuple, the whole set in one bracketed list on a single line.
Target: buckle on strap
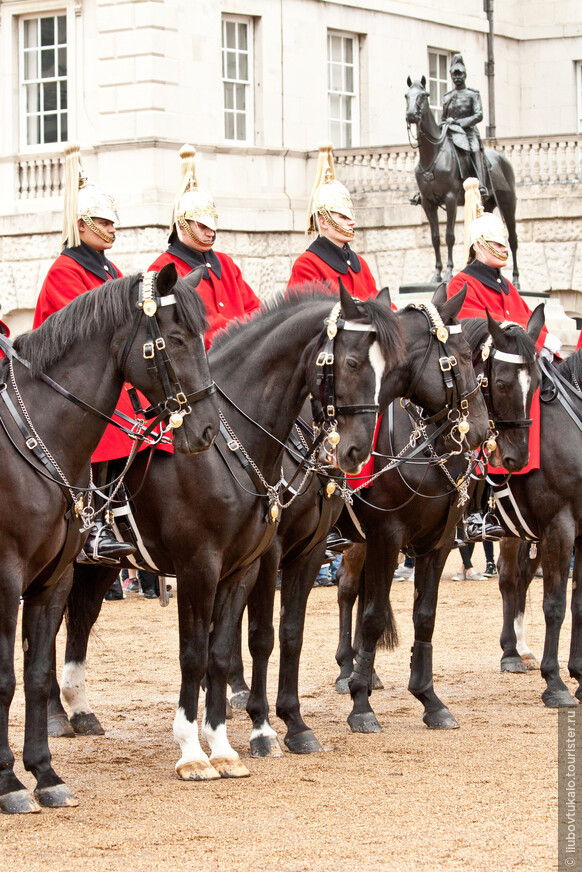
[(323, 358), (31, 443), (148, 350)]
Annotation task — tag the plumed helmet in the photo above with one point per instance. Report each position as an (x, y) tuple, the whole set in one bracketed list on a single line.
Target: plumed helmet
[(328, 194), (191, 203), (82, 198), (480, 226), (457, 63)]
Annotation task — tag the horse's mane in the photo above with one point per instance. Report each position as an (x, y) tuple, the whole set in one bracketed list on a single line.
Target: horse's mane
[(571, 368), (476, 331), (99, 311), (275, 312)]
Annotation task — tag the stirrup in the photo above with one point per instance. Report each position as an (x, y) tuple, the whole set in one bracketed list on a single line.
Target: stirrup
[(483, 528)]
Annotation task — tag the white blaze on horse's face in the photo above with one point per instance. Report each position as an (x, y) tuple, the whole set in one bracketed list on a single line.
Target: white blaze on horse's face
[(378, 364), (524, 379)]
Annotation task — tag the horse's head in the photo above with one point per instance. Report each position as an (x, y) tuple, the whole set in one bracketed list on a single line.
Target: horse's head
[(416, 100), (438, 370), (512, 378), (352, 364), (165, 357)]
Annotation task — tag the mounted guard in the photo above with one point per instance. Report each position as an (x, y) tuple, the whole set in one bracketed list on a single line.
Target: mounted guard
[(462, 111)]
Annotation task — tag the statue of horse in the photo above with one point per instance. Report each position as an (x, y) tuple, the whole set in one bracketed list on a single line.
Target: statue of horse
[(440, 179), (544, 506), (47, 436), (208, 519)]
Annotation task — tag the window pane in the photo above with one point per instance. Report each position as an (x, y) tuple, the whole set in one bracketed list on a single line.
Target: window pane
[(336, 77), (334, 106), (241, 126), (64, 127), (432, 64), (30, 33), (230, 71), (433, 91), (335, 48), (349, 46), (228, 95), (62, 29), (62, 62), (348, 108), (230, 34), (63, 87), (349, 80), (33, 130), (50, 96), (443, 66), (47, 63), (50, 128), (47, 31), (241, 103), (30, 65), (242, 37), (32, 98), (229, 125), (243, 67), (335, 132)]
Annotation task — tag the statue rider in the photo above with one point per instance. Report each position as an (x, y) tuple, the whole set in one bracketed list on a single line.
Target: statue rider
[(462, 111)]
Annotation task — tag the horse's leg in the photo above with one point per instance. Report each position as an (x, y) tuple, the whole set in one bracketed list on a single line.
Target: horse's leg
[(575, 659), (264, 741), (451, 207), (14, 797), (348, 582), (377, 618), (431, 212), (427, 574), (556, 555), (58, 723), (90, 584), (515, 574), (239, 695), (41, 618), (296, 584), (230, 600)]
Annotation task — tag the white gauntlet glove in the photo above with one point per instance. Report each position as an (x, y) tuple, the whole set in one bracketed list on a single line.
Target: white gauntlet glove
[(552, 346)]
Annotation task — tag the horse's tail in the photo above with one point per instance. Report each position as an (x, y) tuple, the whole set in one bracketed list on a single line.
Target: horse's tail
[(389, 639), (90, 584)]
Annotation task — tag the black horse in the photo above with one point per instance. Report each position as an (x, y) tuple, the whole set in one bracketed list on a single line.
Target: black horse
[(208, 519), (299, 547), (545, 506), (440, 180), (89, 348)]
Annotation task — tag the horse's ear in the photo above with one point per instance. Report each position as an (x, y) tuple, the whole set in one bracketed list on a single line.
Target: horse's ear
[(167, 278), (439, 298), (349, 308), (423, 81), (450, 310), (536, 322), (193, 278), (494, 329), (384, 297), (409, 82)]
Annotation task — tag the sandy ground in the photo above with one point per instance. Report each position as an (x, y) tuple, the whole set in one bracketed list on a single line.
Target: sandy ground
[(483, 797)]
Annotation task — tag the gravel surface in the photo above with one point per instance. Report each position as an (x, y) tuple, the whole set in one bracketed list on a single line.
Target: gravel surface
[(483, 797)]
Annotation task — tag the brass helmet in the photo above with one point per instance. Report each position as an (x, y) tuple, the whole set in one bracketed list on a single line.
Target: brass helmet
[(480, 226), (328, 194), (83, 200), (191, 203), (457, 63)]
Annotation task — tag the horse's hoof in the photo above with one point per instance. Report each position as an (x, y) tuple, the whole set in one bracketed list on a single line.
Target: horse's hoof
[(441, 720), (19, 802), (266, 746), (57, 796), (513, 664), (230, 767), (197, 770), (86, 725), (303, 743), (558, 698), (59, 727), (364, 722), (376, 681), (341, 685), (530, 662), (239, 700)]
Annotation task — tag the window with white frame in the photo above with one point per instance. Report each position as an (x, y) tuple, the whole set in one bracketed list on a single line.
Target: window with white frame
[(343, 89), (237, 77), (438, 79), (43, 79), (579, 93)]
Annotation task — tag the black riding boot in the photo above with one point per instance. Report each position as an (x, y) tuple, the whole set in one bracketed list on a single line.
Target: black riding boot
[(480, 170), (481, 524), (101, 546)]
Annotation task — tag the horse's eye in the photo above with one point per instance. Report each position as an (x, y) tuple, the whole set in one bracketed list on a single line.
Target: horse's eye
[(353, 364), (176, 339), (501, 386)]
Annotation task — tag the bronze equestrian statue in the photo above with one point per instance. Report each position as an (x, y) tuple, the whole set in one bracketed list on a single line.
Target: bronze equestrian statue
[(442, 166)]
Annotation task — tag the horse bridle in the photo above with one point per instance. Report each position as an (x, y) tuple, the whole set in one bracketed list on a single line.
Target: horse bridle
[(176, 403), (456, 403), (323, 406), (488, 354)]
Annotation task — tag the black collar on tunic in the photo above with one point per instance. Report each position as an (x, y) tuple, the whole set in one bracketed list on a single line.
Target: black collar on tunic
[(487, 275), (339, 258), (196, 258), (93, 261)]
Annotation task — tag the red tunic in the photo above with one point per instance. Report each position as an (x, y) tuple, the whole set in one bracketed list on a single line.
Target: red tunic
[(65, 280), (225, 298), (502, 307), (310, 267)]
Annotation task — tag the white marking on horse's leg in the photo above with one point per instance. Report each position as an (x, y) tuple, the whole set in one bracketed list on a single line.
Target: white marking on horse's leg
[(73, 688), (378, 364), (217, 740), (264, 730), (519, 628), (525, 381), (186, 735)]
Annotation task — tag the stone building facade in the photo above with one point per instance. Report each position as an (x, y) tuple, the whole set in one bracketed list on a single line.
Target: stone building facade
[(255, 85)]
